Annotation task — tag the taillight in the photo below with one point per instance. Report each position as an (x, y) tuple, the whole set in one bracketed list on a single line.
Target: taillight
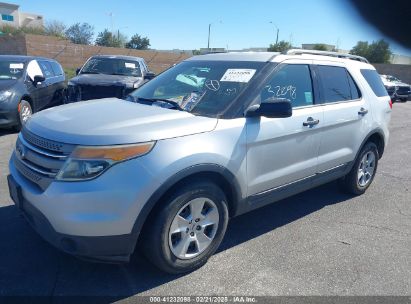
[(390, 103)]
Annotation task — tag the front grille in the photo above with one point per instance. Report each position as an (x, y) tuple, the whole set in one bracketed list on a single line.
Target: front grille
[(403, 90), (39, 159), (95, 92)]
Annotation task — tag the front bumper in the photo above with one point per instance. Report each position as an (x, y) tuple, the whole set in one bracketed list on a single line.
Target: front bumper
[(95, 219), (114, 249), (9, 116)]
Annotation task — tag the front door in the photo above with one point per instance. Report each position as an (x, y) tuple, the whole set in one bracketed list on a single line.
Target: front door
[(281, 151)]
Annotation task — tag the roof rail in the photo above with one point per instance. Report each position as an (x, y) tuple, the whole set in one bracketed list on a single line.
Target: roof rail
[(324, 53)]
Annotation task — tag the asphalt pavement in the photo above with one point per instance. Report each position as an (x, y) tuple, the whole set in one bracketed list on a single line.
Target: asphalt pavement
[(320, 242)]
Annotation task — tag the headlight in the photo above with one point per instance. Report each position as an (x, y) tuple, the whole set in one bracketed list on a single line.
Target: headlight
[(4, 95), (70, 83), (89, 162)]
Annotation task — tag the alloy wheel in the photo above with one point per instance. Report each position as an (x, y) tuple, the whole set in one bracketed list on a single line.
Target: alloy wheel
[(193, 228), (366, 169)]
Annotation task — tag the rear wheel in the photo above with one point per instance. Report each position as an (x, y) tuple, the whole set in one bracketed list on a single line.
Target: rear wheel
[(362, 173), (188, 229)]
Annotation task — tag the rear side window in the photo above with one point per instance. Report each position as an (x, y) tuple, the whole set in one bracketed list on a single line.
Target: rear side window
[(337, 84), (57, 69), (375, 82), (46, 68)]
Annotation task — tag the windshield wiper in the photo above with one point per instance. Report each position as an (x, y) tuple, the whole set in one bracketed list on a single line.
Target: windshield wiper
[(171, 102)]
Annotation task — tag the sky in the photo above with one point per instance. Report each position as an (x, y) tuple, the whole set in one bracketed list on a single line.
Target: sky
[(236, 24)]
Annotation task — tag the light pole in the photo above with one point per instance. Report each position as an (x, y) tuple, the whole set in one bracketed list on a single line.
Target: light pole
[(209, 34), (278, 31)]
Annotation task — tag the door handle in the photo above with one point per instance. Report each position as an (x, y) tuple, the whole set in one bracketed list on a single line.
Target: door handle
[(310, 122), (362, 111)]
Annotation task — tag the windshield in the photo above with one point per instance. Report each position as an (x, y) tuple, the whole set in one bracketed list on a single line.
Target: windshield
[(392, 78), (204, 88), (11, 69), (112, 66)]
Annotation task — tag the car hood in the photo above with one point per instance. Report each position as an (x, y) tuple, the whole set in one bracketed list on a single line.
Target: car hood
[(6, 84), (113, 121), (394, 83), (105, 80)]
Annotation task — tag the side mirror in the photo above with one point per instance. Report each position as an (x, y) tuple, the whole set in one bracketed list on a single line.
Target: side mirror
[(149, 75), (38, 78), (77, 71), (271, 108)]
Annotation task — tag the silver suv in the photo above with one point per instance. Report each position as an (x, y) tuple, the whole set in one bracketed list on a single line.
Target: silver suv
[(215, 136)]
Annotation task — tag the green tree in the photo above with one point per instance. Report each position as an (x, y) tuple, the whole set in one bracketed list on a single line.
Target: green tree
[(80, 33), (320, 47), (376, 52), (361, 49), (55, 28), (138, 43), (106, 38), (380, 52), (281, 46)]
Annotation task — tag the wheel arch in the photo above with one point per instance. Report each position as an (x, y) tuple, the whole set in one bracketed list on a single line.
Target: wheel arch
[(214, 173), (377, 137)]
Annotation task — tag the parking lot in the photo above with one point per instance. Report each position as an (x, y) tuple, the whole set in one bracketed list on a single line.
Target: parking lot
[(320, 242)]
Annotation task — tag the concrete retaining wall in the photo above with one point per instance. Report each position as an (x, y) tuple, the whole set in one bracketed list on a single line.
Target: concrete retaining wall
[(401, 71)]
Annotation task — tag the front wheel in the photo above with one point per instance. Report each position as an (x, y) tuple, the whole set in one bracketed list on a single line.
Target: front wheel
[(188, 229), (363, 171), (25, 112)]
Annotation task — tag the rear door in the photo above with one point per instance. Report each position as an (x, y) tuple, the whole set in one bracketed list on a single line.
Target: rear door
[(347, 116), (58, 83), (284, 150)]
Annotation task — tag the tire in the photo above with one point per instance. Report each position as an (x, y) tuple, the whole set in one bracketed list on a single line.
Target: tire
[(187, 248), (363, 171), (25, 112)]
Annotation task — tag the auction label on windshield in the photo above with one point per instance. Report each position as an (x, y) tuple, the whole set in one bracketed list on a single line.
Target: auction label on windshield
[(238, 75), (16, 66)]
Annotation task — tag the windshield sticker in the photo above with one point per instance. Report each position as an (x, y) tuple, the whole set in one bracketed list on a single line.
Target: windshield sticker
[(16, 66), (130, 65), (212, 85), (238, 75)]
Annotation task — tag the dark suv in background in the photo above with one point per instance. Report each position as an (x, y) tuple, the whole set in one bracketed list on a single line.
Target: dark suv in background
[(105, 76), (27, 85)]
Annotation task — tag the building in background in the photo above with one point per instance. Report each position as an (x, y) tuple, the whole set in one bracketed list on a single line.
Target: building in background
[(11, 16)]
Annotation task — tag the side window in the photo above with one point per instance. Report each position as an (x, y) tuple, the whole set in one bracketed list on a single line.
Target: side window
[(57, 70), (335, 83), (46, 68), (293, 81), (33, 69), (375, 82)]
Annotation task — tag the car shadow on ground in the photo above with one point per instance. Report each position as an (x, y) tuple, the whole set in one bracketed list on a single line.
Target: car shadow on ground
[(29, 266)]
